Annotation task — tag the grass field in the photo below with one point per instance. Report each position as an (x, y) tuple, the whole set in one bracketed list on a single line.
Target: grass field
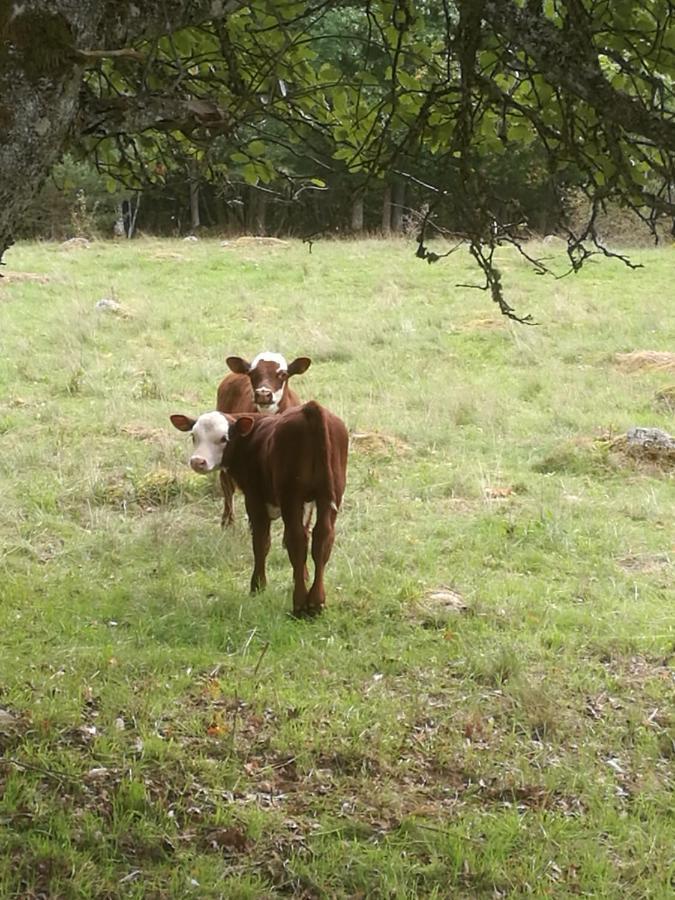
[(163, 734)]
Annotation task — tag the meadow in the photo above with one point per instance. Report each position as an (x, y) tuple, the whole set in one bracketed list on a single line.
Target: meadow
[(486, 707)]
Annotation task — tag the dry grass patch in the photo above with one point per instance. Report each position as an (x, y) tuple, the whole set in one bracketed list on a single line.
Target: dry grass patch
[(164, 255), (495, 492), (20, 277), (76, 243), (437, 607), (249, 240), (645, 563), (638, 360), (373, 443), (157, 488), (665, 399), (143, 433), (484, 323)]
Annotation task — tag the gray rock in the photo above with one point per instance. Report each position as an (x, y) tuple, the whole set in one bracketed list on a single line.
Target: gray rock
[(649, 439)]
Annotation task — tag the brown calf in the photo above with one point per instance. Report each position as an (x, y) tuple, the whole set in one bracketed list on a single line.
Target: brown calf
[(261, 386), (280, 463)]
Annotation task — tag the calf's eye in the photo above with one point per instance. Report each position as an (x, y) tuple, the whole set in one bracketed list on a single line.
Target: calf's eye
[(223, 439)]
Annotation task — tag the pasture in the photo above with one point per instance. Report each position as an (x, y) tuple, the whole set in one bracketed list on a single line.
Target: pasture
[(165, 735)]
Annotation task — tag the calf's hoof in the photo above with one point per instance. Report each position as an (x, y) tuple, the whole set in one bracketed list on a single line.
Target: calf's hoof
[(307, 611)]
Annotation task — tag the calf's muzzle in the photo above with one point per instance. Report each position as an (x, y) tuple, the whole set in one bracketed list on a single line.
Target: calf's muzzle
[(199, 464)]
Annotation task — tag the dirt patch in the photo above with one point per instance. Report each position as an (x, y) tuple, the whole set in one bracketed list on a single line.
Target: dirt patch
[(637, 671), (13, 728), (374, 443), (646, 360), (645, 563), (533, 796)]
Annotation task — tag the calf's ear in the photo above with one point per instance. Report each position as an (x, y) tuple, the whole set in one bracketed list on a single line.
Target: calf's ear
[(238, 365), (181, 422), (243, 425), (299, 365)]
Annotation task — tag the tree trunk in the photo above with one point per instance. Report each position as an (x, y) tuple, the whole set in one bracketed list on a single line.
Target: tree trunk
[(194, 199), (357, 214), (134, 215), (260, 207), (398, 206), (43, 52), (386, 211)]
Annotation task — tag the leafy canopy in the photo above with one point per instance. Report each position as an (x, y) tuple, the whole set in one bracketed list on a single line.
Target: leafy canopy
[(434, 92)]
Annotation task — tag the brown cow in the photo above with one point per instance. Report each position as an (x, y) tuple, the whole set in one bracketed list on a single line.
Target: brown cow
[(261, 386), (280, 463)]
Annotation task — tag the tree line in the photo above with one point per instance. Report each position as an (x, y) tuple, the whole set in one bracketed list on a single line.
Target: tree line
[(476, 117)]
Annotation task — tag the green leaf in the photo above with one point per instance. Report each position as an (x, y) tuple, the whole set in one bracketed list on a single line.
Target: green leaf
[(256, 148), (250, 173)]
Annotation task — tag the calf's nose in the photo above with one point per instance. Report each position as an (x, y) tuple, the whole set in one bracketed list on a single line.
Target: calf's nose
[(263, 396), (198, 463)]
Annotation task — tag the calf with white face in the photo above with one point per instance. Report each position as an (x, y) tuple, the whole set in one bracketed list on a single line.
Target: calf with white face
[(210, 434), (269, 374), (281, 463)]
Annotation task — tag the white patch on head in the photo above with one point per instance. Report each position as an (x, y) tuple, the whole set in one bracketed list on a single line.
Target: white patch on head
[(210, 433), (268, 356)]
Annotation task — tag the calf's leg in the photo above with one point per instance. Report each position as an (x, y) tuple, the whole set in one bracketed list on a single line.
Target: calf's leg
[(295, 539), (260, 534), (322, 544), (227, 487)]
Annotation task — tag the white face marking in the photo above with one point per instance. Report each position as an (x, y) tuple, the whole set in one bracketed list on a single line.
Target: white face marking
[(210, 434), (272, 407), (268, 356)]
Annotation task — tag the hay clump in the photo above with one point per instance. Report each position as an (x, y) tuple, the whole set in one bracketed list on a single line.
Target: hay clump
[(374, 443), (437, 607), (649, 360), (19, 277)]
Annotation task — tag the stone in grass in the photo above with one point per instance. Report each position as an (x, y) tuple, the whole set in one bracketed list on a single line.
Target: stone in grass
[(437, 607), (7, 720), (107, 304), (649, 443), (650, 438)]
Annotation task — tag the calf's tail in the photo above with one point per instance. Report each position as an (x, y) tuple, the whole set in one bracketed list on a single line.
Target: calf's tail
[(316, 418)]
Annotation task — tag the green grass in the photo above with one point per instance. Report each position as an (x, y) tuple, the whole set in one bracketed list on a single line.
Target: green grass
[(174, 737)]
